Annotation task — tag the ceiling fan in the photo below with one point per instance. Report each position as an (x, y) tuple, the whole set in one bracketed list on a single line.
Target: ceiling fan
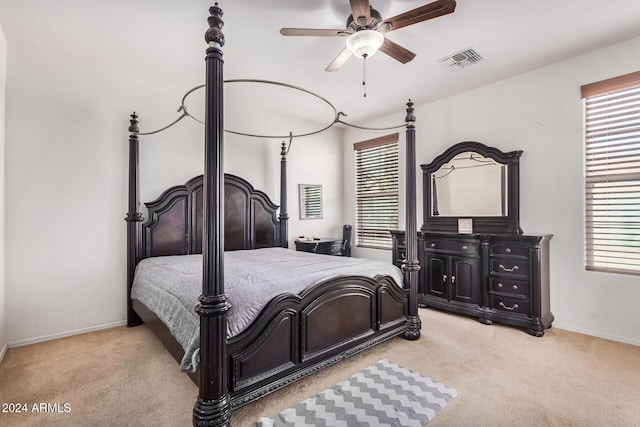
[(366, 28)]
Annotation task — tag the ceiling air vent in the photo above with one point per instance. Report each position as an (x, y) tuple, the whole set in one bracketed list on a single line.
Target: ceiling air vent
[(462, 59)]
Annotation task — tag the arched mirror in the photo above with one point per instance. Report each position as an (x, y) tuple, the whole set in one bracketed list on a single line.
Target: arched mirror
[(472, 187)]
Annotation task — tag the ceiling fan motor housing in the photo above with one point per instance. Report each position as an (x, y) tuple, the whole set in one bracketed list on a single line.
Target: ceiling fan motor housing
[(353, 25)]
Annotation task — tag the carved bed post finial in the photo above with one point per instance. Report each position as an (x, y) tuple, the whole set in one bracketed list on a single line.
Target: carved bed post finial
[(134, 216), (214, 34), (411, 266), (213, 406), (284, 215), (133, 125), (410, 118)]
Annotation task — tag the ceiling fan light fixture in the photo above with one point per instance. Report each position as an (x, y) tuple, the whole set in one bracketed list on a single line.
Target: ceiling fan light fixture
[(365, 43)]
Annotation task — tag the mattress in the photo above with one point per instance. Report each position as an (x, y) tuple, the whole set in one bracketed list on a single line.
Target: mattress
[(170, 286)]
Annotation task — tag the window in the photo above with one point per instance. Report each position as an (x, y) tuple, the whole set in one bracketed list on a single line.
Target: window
[(376, 191), (612, 178)]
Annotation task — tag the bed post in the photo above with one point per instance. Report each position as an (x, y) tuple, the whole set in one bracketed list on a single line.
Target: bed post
[(284, 215), (213, 407), (134, 217), (411, 266)]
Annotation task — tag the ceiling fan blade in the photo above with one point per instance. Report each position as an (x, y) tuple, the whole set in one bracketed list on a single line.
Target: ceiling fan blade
[(419, 14), (339, 60), (314, 32), (360, 9), (396, 51)]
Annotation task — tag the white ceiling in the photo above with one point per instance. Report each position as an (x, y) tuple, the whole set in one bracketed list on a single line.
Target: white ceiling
[(164, 39)]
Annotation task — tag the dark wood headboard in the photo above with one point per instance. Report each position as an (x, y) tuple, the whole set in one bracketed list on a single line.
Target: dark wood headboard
[(174, 225), (175, 221)]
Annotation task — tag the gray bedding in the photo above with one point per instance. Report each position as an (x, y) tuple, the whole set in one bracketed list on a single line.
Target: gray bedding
[(170, 286)]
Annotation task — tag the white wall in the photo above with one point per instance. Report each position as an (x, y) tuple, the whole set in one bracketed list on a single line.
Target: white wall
[(66, 184), (317, 161), (3, 75), (539, 112)]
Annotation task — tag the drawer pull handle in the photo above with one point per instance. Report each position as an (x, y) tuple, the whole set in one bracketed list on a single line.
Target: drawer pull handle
[(499, 285), (433, 245), (515, 306), (453, 279), (515, 287), (444, 278), (464, 248), (503, 268), (508, 250)]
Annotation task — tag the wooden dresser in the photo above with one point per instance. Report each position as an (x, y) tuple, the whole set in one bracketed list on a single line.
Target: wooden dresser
[(495, 278), (474, 257)]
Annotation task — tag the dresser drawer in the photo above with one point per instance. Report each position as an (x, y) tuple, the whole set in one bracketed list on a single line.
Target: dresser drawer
[(457, 247), (509, 266), (506, 248), (510, 305), (510, 286)]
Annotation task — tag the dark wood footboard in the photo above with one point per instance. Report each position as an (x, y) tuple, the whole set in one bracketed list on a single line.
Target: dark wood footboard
[(295, 336)]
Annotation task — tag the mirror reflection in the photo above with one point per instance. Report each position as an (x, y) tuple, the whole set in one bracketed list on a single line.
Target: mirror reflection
[(470, 185), (310, 196)]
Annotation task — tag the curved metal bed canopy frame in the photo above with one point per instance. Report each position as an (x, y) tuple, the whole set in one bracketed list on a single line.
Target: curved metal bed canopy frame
[(336, 120)]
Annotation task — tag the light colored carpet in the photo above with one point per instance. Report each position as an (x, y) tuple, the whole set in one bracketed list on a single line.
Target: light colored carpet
[(505, 377)]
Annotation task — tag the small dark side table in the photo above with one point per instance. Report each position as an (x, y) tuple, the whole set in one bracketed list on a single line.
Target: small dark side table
[(324, 245)]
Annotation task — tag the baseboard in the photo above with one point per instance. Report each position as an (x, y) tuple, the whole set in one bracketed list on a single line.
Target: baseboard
[(595, 334), (67, 334), (3, 351)]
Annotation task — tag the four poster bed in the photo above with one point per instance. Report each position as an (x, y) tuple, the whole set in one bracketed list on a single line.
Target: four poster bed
[(222, 234)]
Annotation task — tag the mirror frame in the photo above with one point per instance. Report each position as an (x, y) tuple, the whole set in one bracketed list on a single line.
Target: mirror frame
[(508, 224)]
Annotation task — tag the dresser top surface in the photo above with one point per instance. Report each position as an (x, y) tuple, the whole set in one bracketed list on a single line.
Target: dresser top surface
[(525, 236)]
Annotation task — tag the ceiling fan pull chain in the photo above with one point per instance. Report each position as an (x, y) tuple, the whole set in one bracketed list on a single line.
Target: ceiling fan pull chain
[(364, 74)]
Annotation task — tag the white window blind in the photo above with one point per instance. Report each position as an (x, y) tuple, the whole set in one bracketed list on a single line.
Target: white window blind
[(376, 191), (612, 166)]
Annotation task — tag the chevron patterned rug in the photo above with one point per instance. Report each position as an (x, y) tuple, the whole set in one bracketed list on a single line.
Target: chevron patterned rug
[(384, 394)]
